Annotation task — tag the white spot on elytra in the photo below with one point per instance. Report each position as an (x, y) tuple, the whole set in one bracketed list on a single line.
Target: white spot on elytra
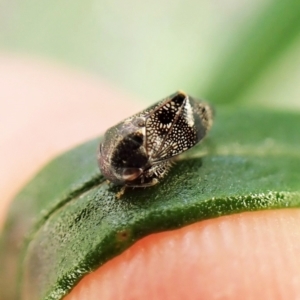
[(189, 114)]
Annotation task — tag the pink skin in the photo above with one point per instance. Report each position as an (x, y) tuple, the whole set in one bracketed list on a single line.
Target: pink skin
[(46, 109)]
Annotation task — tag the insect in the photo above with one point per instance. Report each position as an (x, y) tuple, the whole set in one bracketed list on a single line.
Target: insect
[(138, 152)]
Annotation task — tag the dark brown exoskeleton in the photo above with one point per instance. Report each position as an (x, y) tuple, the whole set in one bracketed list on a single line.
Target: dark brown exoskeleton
[(139, 151)]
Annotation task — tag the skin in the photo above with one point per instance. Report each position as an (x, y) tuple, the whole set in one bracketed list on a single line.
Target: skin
[(243, 256)]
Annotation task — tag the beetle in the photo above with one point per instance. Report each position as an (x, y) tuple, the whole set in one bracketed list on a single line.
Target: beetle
[(139, 151)]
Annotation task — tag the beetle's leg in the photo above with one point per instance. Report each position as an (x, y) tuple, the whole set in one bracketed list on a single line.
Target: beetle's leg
[(160, 170), (121, 192), (154, 181)]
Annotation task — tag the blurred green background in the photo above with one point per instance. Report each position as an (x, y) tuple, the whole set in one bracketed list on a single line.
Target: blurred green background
[(225, 51)]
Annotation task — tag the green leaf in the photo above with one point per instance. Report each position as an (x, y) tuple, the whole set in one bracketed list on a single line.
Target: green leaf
[(67, 220)]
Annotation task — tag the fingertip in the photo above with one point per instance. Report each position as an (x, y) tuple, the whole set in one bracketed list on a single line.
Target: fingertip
[(244, 256)]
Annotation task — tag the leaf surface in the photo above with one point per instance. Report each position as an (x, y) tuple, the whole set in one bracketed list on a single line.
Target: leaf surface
[(70, 222)]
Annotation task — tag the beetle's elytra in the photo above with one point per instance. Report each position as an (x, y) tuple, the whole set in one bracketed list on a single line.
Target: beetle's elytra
[(139, 151)]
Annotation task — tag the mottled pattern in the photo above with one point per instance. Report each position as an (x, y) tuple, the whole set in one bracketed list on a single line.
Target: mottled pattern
[(138, 151), (171, 128)]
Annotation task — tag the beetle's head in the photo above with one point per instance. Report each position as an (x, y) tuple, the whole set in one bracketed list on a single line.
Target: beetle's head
[(122, 157)]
